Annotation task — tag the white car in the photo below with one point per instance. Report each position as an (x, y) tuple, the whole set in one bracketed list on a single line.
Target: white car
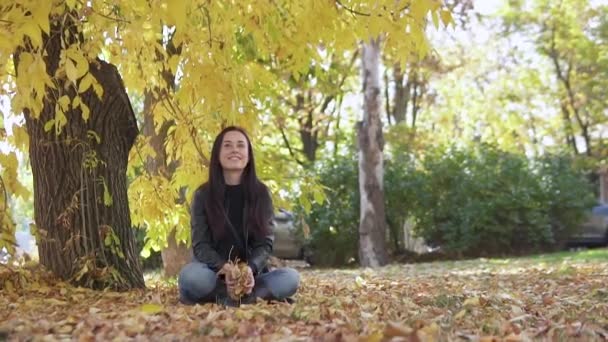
[(287, 244), (594, 231)]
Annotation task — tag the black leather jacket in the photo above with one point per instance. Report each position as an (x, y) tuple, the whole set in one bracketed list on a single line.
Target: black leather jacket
[(216, 253)]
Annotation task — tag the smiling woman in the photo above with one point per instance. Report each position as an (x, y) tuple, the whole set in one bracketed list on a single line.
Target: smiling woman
[(234, 156), (232, 222)]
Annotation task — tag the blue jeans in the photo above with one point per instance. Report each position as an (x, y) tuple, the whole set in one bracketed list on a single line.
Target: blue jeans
[(198, 284)]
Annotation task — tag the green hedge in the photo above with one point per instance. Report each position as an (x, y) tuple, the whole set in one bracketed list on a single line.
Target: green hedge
[(479, 201)]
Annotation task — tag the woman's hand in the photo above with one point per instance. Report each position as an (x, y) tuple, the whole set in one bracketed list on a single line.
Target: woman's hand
[(226, 270), (250, 281)]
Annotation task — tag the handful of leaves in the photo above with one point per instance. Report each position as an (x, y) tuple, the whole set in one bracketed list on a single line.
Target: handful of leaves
[(238, 274)]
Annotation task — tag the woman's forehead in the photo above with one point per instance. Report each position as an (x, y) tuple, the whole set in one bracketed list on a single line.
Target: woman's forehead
[(234, 136)]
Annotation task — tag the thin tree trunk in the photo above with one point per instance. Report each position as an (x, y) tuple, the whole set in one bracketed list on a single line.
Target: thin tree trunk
[(372, 226), (83, 237), (176, 254), (401, 94)]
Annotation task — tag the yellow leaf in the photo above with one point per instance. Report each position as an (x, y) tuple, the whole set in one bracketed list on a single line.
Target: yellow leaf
[(40, 14), (85, 83), (82, 64), (429, 332), (86, 113), (460, 314), (70, 3), (70, 70), (94, 135), (474, 301), (151, 308), (243, 314), (107, 197), (8, 286), (446, 17), (20, 136), (173, 63), (53, 301), (98, 90), (360, 282), (60, 120), (419, 9), (32, 30), (76, 101), (375, 337), (64, 102), (435, 19), (49, 125), (177, 13)]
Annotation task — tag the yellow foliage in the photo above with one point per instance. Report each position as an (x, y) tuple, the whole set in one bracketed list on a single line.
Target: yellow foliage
[(220, 54)]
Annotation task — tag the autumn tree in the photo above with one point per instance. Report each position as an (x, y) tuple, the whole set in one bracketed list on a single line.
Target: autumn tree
[(175, 253), (313, 107), (81, 127), (70, 61), (570, 34), (372, 228)]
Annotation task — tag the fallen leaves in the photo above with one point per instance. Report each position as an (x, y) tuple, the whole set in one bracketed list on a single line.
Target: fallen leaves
[(429, 302)]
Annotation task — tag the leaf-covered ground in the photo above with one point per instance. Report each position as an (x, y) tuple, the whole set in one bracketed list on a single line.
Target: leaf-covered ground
[(556, 297)]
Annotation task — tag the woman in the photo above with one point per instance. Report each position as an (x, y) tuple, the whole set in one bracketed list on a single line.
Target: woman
[(232, 218)]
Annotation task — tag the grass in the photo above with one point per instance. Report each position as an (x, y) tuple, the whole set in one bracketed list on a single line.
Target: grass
[(575, 256)]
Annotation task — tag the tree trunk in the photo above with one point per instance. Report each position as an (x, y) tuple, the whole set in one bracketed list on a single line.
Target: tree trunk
[(402, 94), (372, 226), (176, 254), (77, 173)]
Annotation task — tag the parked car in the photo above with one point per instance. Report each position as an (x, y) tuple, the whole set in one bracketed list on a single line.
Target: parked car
[(594, 231), (287, 243)]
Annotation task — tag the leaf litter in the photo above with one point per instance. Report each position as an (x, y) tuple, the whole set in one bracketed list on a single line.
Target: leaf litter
[(448, 301)]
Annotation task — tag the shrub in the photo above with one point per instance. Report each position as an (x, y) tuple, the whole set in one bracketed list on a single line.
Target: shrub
[(475, 201), (484, 201), (334, 225)]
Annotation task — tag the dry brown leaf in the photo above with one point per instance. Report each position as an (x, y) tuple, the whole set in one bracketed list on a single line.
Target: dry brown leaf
[(394, 329), (396, 300)]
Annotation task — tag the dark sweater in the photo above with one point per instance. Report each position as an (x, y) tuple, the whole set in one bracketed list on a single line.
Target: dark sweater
[(234, 203), (214, 252)]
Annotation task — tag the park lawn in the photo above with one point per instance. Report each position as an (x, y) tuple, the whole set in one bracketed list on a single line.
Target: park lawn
[(558, 296)]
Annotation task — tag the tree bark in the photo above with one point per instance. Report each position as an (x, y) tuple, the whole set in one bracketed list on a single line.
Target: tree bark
[(82, 237), (372, 226)]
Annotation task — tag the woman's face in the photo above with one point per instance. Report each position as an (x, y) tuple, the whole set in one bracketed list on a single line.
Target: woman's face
[(234, 153)]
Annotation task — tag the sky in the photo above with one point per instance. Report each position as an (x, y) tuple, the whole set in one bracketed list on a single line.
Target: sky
[(487, 7)]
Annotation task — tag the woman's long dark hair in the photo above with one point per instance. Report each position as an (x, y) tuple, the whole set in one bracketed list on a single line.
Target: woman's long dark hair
[(257, 198)]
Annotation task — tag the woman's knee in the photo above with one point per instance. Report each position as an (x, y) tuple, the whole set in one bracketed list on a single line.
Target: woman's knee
[(196, 281), (284, 283)]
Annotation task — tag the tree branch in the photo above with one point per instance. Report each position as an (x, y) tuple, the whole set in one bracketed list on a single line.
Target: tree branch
[(352, 10), (293, 155), (565, 79), (118, 20), (367, 14), (206, 13)]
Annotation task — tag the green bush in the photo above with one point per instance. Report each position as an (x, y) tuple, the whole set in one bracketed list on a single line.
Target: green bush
[(568, 194), (476, 201), (484, 201), (334, 225)]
